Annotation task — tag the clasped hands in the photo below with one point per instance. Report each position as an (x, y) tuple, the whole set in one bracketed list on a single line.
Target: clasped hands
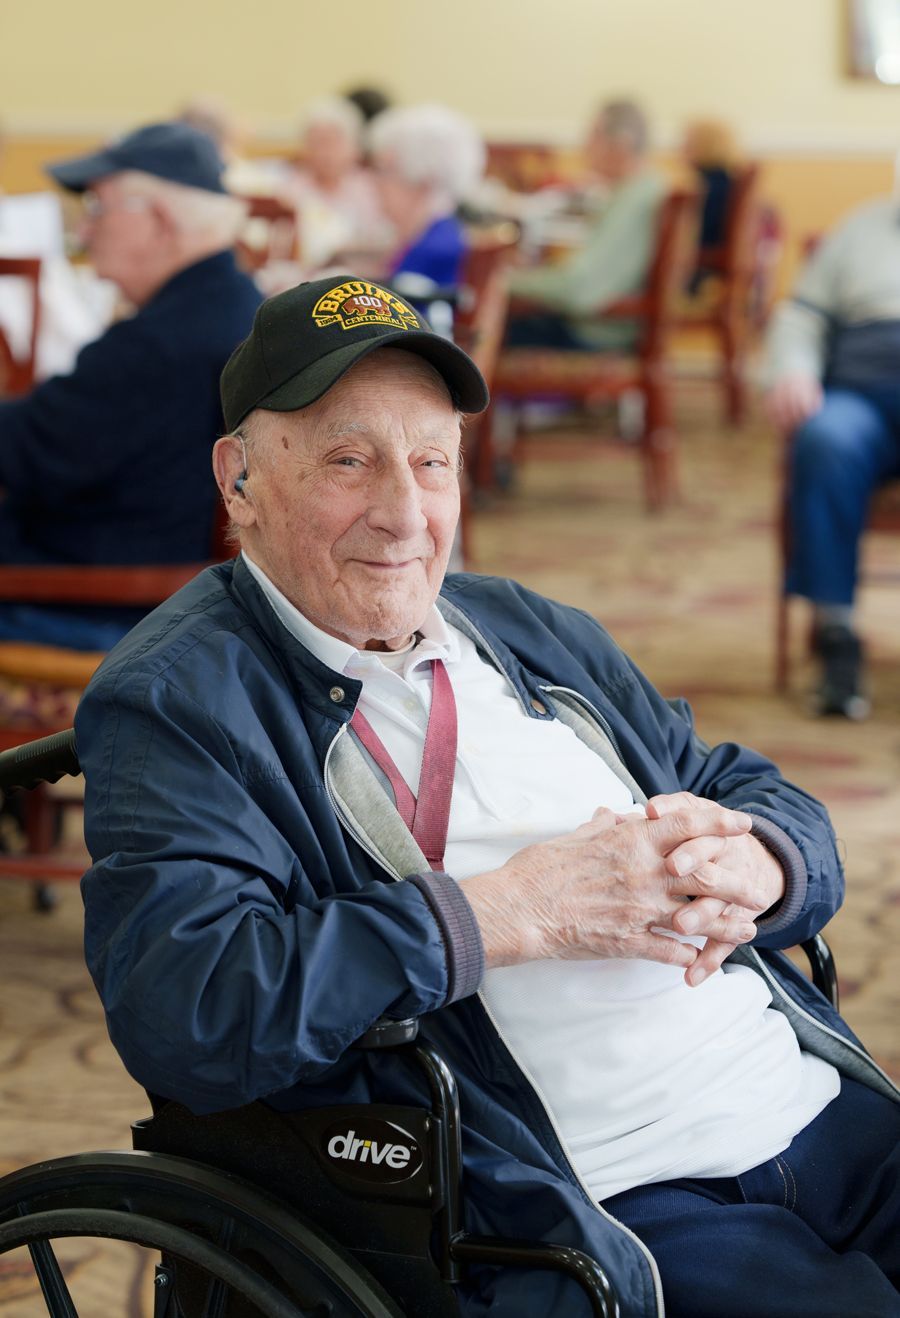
[(608, 889)]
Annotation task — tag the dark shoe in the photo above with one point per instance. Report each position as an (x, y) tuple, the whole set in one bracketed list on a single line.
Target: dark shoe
[(841, 687)]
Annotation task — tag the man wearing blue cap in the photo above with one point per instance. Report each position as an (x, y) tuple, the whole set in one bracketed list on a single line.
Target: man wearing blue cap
[(111, 463)]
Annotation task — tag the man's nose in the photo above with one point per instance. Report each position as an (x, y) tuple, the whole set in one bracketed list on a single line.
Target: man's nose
[(396, 503)]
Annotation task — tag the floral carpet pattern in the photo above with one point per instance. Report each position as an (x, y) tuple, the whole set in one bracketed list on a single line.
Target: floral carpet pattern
[(690, 594)]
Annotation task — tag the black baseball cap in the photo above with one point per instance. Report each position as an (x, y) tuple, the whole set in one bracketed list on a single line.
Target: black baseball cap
[(305, 339), (173, 151)]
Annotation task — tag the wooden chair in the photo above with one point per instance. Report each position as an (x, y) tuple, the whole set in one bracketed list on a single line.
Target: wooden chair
[(17, 374), (271, 233), (45, 669), (479, 325), (729, 311), (884, 516), (528, 373)]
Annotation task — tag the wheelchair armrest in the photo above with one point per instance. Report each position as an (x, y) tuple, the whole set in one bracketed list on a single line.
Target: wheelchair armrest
[(387, 1033), (44, 760), (824, 968)]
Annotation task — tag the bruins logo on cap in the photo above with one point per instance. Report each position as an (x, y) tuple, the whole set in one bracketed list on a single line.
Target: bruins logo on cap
[(357, 303)]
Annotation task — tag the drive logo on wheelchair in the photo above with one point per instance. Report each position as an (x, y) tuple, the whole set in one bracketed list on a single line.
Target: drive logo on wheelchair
[(374, 1150)]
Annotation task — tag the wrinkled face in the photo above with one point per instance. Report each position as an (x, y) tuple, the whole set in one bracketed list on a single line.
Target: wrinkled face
[(608, 156), (329, 152), (354, 501), (121, 231)]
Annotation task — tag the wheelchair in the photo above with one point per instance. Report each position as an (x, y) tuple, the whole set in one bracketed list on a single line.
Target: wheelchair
[(338, 1212)]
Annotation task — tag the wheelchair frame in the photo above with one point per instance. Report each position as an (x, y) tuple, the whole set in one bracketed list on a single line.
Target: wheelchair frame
[(203, 1217)]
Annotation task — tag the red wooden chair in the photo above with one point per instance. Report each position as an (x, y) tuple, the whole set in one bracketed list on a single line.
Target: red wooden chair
[(51, 677), (271, 233), (479, 323), (729, 311), (528, 373), (17, 373)]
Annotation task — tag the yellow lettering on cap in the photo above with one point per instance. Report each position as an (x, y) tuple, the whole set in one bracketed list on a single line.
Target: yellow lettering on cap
[(357, 303)]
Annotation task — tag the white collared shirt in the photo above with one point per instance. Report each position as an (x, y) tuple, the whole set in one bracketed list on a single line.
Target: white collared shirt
[(646, 1079)]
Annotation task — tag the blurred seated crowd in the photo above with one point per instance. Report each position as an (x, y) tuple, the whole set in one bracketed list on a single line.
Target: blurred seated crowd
[(106, 459)]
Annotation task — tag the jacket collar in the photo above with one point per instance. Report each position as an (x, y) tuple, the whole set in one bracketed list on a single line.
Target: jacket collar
[(317, 683)]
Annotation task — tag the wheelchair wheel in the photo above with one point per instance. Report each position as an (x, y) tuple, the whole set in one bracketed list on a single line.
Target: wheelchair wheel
[(228, 1249)]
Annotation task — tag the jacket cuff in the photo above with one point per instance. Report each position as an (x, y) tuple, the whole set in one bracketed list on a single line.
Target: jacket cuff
[(459, 930), (789, 857)]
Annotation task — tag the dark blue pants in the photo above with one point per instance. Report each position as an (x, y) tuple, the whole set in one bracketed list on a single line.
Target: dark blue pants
[(839, 457), (813, 1233), (543, 329)]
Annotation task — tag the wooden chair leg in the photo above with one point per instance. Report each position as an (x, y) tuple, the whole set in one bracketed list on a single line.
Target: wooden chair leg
[(484, 466), (733, 373), (41, 818), (659, 446), (782, 644)]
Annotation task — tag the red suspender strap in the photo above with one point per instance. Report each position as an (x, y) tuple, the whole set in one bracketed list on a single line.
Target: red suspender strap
[(428, 816)]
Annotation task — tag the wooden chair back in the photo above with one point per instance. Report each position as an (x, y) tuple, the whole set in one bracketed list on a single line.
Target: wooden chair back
[(479, 326), (480, 315), (656, 306), (271, 232), (17, 374), (51, 669)]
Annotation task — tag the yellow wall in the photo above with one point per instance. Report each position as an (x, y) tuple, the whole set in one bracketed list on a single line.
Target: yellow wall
[(774, 66), (73, 73)]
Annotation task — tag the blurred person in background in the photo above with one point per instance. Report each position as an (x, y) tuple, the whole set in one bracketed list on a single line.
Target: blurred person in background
[(567, 297), (427, 160), (710, 152), (833, 369), (212, 116), (110, 463), (335, 195)]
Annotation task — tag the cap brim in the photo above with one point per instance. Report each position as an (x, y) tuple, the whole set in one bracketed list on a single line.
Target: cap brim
[(460, 374), (78, 175)]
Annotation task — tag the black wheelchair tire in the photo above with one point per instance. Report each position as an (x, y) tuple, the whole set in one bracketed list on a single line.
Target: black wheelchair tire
[(180, 1208), (151, 1234)]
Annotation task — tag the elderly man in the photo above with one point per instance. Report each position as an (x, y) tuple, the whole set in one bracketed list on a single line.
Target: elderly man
[(569, 296), (110, 463), (324, 787), (833, 356)]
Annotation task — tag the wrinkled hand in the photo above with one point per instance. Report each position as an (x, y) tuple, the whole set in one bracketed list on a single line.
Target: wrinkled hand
[(731, 878), (792, 400), (605, 889)]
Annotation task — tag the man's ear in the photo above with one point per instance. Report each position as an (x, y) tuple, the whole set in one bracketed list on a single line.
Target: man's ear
[(229, 471), (165, 218)]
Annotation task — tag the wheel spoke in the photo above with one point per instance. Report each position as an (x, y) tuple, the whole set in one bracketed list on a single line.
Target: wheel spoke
[(49, 1274)]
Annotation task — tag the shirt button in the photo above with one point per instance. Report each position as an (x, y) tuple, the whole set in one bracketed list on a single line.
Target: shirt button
[(337, 694), (538, 707)]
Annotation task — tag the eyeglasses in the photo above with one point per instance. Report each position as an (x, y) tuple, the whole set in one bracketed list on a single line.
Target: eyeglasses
[(94, 207)]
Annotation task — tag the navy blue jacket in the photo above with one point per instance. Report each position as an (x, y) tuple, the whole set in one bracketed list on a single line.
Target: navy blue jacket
[(111, 464), (250, 912)]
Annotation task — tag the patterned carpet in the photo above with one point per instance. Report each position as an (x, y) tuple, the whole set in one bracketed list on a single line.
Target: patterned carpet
[(690, 594)]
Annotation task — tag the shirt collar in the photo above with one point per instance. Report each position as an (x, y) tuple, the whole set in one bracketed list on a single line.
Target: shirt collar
[(438, 641)]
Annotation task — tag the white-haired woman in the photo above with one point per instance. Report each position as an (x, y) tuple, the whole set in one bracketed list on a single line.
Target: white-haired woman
[(427, 159), (336, 198)]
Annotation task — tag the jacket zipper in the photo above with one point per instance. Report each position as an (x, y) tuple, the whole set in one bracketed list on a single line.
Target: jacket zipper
[(349, 825), (592, 709), (576, 1175), (826, 1029), (763, 968), (345, 819)]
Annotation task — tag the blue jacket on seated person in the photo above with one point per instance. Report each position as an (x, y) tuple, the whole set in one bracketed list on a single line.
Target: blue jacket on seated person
[(111, 463), (254, 906)]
